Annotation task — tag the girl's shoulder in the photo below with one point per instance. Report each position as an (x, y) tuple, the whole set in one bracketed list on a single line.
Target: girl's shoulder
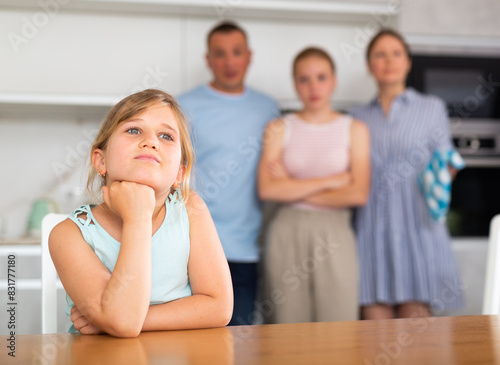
[(354, 124), (197, 212), (86, 216), (82, 215), (63, 235), (194, 200), (278, 122), (275, 130), (195, 204), (359, 131), (358, 124)]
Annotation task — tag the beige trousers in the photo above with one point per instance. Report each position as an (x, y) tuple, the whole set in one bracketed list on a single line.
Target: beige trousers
[(310, 267)]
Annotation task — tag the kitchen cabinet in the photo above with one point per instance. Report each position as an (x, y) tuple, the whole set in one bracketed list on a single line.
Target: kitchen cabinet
[(451, 17), (471, 254), (135, 44), (451, 26), (16, 104), (286, 9)]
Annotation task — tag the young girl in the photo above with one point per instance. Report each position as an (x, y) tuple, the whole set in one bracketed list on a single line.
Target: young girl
[(317, 162), (148, 258), (407, 265)]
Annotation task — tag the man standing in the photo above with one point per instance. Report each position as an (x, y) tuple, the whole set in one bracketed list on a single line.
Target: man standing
[(228, 121)]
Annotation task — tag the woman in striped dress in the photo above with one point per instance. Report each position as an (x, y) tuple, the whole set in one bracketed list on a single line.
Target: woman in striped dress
[(407, 265), (309, 163)]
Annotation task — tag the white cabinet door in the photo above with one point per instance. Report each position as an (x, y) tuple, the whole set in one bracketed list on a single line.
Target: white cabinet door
[(451, 17)]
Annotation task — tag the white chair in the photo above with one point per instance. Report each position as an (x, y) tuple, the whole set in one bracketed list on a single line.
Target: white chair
[(491, 299), (49, 275)]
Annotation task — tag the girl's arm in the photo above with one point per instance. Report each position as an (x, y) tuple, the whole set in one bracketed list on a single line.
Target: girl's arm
[(115, 302), (356, 193), (211, 304), (281, 187)]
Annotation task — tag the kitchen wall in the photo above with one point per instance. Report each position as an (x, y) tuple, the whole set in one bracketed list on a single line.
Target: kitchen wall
[(58, 48), (113, 54), (63, 63)]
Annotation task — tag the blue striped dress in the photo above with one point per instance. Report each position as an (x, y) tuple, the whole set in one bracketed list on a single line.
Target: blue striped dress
[(404, 255)]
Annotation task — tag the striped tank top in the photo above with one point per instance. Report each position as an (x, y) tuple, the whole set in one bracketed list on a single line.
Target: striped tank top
[(316, 150)]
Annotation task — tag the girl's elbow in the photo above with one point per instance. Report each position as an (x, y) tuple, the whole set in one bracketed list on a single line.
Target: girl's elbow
[(265, 193), (270, 196), (226, 312), (123, 327), (270, 190), (362, 198), (359, 197), (124, 330), (275, 196), (225, 318)]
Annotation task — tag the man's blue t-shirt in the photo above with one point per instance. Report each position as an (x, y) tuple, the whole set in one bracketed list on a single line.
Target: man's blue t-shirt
[(227, 136)]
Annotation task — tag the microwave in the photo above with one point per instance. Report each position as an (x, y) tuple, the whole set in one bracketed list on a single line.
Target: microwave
[(470, 85)]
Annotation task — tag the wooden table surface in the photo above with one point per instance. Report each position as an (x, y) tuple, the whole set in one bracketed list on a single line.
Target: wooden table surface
[(443, 340)]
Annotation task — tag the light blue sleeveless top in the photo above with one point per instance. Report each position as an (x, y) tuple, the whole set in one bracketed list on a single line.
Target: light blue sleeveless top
[(169, 256)]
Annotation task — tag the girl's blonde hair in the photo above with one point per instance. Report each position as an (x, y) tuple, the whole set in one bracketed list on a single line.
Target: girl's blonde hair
[(309, 52), (128, 108)]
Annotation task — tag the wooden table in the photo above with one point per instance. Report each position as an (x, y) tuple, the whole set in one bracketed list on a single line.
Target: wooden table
[(445, 340)]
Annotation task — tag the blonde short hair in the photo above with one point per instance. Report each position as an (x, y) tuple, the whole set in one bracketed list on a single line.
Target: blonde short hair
[(128, 108), (312, 52)]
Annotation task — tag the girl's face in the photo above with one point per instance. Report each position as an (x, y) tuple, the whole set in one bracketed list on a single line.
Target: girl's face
[(314, 82), (388, 62), (145, 149)]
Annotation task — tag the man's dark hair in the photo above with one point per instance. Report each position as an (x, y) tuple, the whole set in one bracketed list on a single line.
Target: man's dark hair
[(226, 27)]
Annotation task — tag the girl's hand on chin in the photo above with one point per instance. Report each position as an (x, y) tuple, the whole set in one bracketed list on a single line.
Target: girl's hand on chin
[(129, 200)]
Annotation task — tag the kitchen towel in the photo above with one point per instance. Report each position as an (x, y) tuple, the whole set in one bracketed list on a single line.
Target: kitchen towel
[(435, 181)]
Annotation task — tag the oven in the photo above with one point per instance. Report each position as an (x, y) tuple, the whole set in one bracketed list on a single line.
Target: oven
[(470, 86), (475, 193)]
